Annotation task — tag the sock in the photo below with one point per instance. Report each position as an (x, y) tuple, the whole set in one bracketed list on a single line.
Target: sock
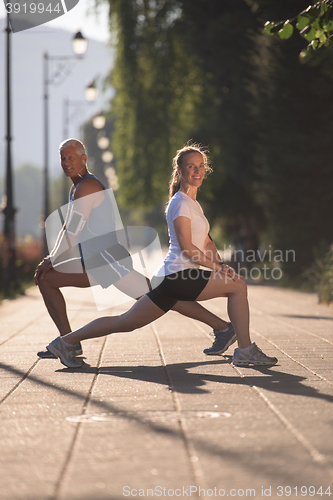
[(216, 330), (245, 349), (66, 343)]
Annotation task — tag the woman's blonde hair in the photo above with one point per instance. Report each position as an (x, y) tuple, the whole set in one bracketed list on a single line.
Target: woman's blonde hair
[(190, 147)]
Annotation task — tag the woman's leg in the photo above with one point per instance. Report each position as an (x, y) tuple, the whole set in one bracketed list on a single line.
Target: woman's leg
[(143, 312), (136, 285), (219, 285), (198, 312)]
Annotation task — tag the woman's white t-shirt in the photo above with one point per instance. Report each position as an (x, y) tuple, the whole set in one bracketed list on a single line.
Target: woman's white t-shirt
[(181, 205)]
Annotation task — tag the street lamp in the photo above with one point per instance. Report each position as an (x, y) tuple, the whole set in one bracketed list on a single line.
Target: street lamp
[(77, 105), (10, 276), (107, 156), (99, 120), (79, 45), (91, 91), (102, 141)]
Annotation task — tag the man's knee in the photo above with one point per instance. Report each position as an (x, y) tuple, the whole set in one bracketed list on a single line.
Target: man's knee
[(46, 282)]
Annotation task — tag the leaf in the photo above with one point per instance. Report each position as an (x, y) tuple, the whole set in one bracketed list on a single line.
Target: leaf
[(316, 24), (268, 28), (286, 31), (302, 22), (309, 33), (329, 27), (322, 37), (271, 28)]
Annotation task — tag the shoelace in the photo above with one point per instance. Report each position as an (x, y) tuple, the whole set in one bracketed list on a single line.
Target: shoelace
[(216, 335), (258, 349)]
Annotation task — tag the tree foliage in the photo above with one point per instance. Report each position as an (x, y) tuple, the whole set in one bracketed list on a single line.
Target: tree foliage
[(156, 92), (204, 69), (315, 25)]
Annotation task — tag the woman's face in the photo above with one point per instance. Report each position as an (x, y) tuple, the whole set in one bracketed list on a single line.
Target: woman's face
[(192, 170)]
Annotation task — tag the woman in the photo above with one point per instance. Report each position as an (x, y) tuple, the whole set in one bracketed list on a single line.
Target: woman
[(180, 278)]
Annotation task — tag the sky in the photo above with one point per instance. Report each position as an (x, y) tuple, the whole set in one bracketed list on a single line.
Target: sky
[(92, 25), (27, 48)]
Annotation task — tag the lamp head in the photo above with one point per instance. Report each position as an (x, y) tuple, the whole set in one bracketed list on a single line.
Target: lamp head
[(79, 44)]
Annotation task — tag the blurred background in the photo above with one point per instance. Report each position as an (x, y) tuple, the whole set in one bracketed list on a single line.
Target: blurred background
[(163, 72)]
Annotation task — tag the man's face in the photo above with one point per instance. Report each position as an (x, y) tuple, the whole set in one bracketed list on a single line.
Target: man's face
[(72, 162)]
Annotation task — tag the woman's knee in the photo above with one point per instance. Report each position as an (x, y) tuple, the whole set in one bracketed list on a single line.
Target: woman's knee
[(241, 284)]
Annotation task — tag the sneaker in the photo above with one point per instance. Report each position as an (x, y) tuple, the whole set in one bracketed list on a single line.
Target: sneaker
[(254, 356), (48, 354), (65, 352), (222, 341)]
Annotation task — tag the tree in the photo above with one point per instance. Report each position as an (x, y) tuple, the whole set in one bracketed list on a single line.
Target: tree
[(294, 110), (315, 24), (204, 69), (154, 103), (181, 72)]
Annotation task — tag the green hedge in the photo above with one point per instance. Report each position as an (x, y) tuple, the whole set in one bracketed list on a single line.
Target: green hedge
[(28, 255)]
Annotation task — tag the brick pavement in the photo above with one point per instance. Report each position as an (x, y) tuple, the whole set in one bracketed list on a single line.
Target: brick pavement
[(151, 416)]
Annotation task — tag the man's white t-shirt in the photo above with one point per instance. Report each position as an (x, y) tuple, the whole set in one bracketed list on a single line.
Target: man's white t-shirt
[(181, 205)]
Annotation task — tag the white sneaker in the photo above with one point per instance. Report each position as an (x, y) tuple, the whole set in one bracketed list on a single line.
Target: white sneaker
[(254, 356), (66, 353)]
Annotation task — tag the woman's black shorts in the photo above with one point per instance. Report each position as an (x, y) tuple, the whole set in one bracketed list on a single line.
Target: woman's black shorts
[(184, 285)]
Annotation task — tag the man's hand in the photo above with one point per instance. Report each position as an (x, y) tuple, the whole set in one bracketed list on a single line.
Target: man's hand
[(42, 269)]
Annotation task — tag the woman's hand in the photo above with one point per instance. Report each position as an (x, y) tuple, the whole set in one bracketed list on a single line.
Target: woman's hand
[(229, 271), (42, 269)]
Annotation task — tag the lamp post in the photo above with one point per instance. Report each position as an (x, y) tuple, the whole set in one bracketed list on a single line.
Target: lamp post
[(91, 93), (98, 121), (79, 46), (10, 276)]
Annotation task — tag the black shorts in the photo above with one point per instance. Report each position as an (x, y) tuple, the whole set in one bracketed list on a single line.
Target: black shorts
[(186, 285)]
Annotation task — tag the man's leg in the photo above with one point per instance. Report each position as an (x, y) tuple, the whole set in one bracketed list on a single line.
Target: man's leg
[(49, 287)]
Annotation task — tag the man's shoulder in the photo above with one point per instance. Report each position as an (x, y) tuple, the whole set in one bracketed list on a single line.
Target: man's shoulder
[(88, 186)]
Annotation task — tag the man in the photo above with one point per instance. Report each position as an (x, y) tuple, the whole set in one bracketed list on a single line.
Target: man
[(89, 206)]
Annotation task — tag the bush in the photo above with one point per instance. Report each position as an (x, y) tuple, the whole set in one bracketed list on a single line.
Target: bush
[(325, 287), (28, 255), (321, 275)]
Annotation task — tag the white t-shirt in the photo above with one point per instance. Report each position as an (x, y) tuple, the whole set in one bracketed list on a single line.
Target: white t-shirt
[(182, 205)]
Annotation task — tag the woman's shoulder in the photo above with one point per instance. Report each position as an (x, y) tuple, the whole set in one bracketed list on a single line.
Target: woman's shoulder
[(179, 204), (179, 198), (176, 200)]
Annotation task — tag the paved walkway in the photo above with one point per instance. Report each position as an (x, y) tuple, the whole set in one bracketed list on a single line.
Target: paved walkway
[(150, 416)]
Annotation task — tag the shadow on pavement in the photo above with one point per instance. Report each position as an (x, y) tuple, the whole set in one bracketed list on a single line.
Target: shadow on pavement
[(184, 381), (300, 316), (190, 383)]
